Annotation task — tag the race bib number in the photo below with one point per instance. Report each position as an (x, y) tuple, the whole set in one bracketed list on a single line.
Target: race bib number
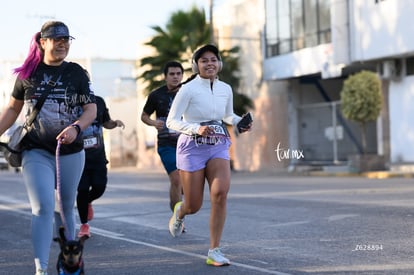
[(218, 130), (90, 142)]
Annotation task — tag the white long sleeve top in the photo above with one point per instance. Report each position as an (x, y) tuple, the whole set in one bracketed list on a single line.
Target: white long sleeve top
[(199, 101)]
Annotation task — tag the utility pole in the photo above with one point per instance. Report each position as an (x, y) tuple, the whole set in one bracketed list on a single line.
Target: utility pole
[(212, 40)]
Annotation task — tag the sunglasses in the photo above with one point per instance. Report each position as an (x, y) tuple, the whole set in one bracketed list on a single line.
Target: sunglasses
[(64, 39)]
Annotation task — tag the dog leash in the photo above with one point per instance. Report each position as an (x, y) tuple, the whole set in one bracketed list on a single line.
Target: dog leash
[(59, 190)]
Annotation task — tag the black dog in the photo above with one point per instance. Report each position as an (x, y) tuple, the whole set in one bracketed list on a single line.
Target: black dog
[(70, 256)]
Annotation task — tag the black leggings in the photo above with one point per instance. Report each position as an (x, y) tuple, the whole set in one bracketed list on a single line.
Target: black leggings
[(91, 187)]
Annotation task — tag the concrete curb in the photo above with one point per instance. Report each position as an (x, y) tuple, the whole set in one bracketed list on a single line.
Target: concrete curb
[(370, 175)]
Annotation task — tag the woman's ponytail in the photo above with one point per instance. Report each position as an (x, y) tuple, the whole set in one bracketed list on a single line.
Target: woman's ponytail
[(185, 82), (34, 57)]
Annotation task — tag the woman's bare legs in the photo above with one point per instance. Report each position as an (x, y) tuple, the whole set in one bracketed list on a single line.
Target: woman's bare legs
[(193, 188), (218, 177)]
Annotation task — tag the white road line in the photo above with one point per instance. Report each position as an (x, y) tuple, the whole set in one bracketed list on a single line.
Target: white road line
[(341, 217), (288, 224), (117, 236), (164, 248)]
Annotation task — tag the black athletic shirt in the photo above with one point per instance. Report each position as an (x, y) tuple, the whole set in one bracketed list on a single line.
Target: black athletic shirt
[(159, 101), (93, 137), (62, 107)]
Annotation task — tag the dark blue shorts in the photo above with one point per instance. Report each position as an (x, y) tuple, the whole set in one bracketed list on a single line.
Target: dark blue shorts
[(168, 158)]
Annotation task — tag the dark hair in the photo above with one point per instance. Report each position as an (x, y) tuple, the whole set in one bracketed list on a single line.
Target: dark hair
[(186, 81), (209, 47), (206, 48), (172, 64), (34, 57)]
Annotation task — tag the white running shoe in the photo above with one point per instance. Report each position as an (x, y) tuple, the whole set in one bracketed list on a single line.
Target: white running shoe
[(41, 272), (176, 225), (215, 257)]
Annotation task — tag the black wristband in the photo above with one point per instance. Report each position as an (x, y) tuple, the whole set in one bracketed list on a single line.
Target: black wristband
[(77, 127)]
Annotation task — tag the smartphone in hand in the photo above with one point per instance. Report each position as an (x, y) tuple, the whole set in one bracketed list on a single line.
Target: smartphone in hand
[(244, 122)]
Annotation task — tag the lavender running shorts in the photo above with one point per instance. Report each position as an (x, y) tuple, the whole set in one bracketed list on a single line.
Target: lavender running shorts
[(193, 157)]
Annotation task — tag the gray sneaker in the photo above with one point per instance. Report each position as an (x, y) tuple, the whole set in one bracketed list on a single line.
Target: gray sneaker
[(176, 225), (216, 257)]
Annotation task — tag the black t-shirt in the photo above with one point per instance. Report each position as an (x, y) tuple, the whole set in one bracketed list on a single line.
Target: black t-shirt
[(159, 101), (93, 137), (62, 107)]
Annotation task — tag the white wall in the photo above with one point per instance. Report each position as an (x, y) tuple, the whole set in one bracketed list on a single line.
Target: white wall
[(401, 102), (302, 62), (121, 145), (340, 31), (111, 77), (382, 29), (7, 79)]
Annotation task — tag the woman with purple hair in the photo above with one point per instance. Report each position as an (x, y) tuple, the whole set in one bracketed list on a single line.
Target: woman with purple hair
[(68, 109)]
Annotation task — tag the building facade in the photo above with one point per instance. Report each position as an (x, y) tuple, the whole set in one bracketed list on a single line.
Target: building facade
[(294, 58), (295, 72)]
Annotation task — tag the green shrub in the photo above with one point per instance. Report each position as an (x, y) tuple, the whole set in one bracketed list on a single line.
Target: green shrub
[(361, 100)]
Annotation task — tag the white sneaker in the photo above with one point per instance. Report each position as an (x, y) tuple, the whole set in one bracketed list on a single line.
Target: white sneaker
[(41, 272), (176, 225), (215, 257)]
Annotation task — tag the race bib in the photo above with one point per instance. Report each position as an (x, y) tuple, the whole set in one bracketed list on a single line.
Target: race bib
[(90, 142), (218, 127), (218, 130)]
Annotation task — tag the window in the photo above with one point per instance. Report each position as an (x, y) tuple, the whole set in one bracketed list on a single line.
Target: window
[(297, 28), (311, 23), (324, 26), (409, 63), (296, 24)]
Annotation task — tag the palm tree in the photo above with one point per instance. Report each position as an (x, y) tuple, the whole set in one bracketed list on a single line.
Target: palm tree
[(183, 34)]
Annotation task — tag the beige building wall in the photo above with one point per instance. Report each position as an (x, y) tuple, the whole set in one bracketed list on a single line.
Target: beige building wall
[(121, 144), (148, 158), (240, 23), (255, 150)]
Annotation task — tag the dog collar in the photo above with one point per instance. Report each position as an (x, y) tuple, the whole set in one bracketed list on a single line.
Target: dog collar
[(62, 270)]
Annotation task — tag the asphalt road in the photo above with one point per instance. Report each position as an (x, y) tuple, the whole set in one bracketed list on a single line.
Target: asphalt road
[(275, 225)]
